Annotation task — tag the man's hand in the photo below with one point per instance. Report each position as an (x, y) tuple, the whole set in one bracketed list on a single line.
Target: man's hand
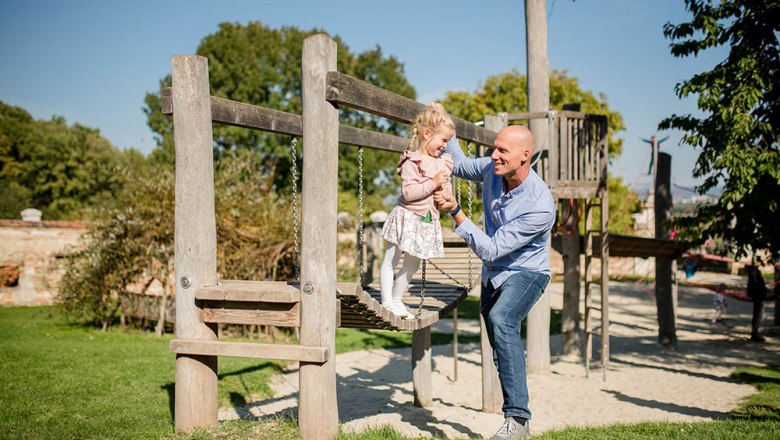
[(444, 200)]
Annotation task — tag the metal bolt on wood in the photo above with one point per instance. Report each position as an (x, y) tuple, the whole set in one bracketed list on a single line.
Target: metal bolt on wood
[(186, 282)]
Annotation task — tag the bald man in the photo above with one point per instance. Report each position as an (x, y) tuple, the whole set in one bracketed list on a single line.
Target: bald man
[(519, 214)]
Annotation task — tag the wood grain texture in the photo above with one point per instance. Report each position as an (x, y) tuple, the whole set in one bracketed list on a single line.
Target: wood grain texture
[(241, 290), (318, 408), (195, 240), (250, 350), (346, 90)]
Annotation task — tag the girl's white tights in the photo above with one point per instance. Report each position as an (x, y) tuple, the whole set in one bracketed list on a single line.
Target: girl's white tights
[(392, 287)]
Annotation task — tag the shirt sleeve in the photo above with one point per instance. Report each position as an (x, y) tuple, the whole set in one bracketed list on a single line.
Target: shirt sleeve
[(412, 188), (508, 238), (465, 167)]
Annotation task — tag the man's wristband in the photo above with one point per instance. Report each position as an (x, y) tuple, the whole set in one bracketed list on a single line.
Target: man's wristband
[(455, 212)]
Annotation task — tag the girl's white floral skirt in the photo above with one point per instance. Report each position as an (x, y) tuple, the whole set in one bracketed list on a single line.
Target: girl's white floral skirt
[(423, 239)]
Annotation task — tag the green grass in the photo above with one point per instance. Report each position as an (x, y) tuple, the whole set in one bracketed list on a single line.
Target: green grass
[(64, 381), (70, 382), (722, 430), (765, 405)]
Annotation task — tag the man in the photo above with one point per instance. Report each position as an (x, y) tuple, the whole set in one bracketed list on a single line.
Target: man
[(519, 214)]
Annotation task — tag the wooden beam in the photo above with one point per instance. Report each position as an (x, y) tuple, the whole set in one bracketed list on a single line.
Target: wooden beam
[(239, 114), (565, 113), (576, 189), (318, 408), (253, 313), (422, 367), (195, 238), (259, 291), (492, 397), (346, 90), (371, 139), (250, 350)]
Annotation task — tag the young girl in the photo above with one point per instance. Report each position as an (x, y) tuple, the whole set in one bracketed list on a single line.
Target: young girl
[(413, 225)]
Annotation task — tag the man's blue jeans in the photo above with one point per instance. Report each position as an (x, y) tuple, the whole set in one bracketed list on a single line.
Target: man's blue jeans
[(503, 309)]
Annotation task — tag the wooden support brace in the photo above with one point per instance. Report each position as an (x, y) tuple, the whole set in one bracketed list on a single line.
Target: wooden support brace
[(250, 350)]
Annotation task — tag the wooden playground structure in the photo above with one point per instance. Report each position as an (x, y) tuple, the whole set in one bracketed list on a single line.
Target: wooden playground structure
[(574, 164)]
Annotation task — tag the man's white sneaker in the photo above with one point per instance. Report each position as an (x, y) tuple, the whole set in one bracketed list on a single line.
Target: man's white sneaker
[(512, 430)]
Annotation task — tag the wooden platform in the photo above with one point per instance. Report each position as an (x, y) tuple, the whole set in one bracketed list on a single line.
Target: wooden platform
[(447, 283)]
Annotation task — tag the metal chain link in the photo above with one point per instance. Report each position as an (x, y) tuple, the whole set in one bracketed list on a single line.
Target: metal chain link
[(361, 230), (470, 196), (294, 166), (422, 290)]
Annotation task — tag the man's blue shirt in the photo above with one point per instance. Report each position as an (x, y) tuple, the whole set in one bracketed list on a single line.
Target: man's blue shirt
[(517, 223)]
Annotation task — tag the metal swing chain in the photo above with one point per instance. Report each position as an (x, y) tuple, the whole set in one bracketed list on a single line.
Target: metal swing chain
[(469, 194), (361, 230), (422, 290), (294, 171)]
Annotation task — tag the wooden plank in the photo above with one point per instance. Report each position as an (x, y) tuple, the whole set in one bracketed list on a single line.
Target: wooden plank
[(239, 114), (242, 290), (195, 239), (372, 139), (576, 189), (257, 313), (348, 289), (318, 408), (346, 90), (251, 350), (565, 113), (526, 116)]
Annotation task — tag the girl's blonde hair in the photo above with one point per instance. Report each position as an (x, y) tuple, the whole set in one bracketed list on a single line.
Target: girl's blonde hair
[(431, 117)]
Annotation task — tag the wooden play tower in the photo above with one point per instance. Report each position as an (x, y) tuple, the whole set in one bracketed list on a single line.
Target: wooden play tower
[(575, 167)]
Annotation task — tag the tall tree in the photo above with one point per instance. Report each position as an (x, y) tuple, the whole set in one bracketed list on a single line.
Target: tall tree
[(259, 65), (738, 134), (62, 170)]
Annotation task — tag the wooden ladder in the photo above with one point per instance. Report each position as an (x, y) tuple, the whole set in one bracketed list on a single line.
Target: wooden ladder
[(601, 253)]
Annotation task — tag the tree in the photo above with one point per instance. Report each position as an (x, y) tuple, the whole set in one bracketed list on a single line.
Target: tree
[(506, 92), (738, 134), (62, 170), (259, 65), (132, 240)]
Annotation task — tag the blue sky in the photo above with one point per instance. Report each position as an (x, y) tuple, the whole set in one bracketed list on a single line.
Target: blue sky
[(93, 61)]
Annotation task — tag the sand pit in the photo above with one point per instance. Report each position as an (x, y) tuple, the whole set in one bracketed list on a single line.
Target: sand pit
[(644, 382)]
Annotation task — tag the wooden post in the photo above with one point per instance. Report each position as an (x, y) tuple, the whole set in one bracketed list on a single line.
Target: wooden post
[(318, 410), (492, 398), (195, 239), (538, 325), (422, 367), (570, 325), (663, 266)]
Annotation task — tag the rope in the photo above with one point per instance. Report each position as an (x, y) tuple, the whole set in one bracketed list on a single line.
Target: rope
[(294, 172)]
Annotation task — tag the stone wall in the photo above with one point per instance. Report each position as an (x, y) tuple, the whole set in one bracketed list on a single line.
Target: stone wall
[(29, 259)]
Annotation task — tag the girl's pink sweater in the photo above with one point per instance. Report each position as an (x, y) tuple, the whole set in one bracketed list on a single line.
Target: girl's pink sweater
[(417, 171)]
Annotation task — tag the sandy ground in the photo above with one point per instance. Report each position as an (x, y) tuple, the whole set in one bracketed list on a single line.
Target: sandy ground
[(644, 382)]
